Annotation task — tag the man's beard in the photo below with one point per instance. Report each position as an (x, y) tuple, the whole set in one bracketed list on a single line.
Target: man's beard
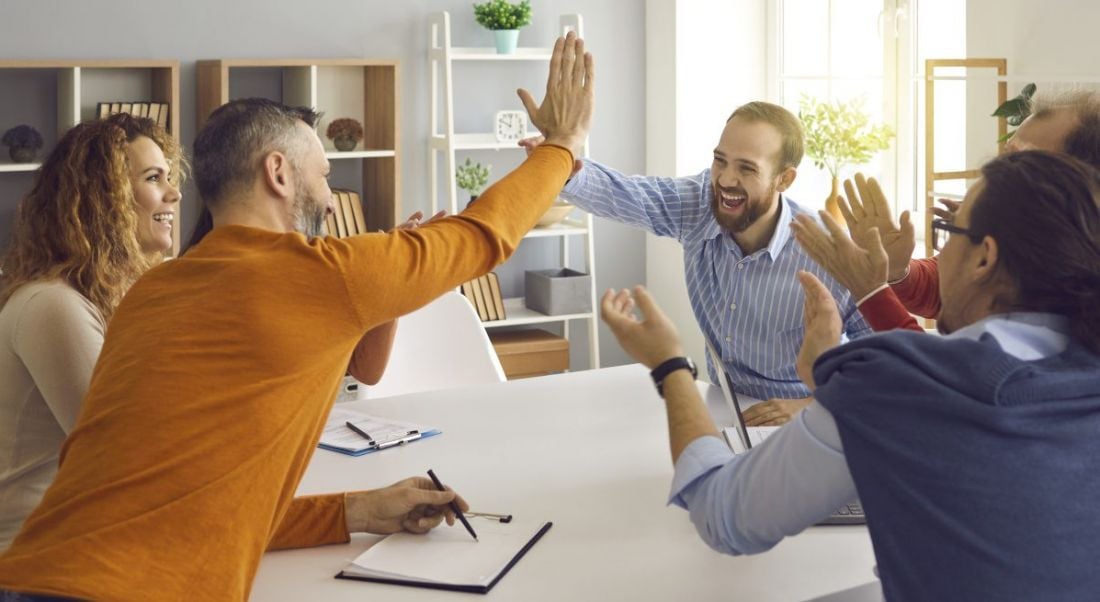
[(755, 207), (309, 213)]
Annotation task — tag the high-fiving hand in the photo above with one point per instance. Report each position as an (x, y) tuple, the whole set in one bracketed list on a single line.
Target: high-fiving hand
[(865, 208), (650, 340), (859, 268), (822, 321), (566, 112)]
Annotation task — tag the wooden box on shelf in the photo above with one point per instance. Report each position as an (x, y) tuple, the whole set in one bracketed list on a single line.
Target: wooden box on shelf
[(535, 352)]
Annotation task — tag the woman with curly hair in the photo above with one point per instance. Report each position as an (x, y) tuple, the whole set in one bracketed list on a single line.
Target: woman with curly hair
[(99, 214)]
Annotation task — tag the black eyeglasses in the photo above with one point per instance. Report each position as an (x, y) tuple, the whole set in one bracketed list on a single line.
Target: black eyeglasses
[(943, 229)]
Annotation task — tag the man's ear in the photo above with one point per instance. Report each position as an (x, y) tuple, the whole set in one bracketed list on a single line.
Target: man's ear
[(786, 178), (985, 260), (277, 174)]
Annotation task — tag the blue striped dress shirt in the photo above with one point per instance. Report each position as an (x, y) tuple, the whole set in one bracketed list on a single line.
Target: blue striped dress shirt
[(750, 308)]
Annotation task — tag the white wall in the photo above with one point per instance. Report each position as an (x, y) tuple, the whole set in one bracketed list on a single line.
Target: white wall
[(206, 29), (704, 59), (1054, 44)]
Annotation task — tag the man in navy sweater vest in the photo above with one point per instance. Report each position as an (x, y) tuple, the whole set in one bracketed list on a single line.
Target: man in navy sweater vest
[(976, 454)]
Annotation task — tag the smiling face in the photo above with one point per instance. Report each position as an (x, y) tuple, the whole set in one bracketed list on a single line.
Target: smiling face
[(156, 198), (743, 174)]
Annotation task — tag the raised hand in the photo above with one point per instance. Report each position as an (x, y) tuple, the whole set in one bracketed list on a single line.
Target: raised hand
[(948, 211), (529, 145), (566, 112), (866, 207), (822, 324), (652, 339), (859, 268)]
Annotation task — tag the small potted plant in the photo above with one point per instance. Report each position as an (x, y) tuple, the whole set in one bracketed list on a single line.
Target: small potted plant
[(23, 143), (504, 19), (345, 133), (838, 134), (472, 178), (1015, 110)]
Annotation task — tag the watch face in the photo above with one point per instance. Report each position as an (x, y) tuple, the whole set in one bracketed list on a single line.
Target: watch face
[(511, 125)]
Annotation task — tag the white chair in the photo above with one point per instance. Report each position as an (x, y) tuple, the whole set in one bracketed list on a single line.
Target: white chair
[(439, 346)]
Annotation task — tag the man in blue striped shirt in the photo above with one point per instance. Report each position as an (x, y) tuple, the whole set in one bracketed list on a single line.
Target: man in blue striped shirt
[(739, 256)]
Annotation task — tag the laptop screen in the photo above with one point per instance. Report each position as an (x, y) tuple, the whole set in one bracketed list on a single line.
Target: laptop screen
[(730, 394)]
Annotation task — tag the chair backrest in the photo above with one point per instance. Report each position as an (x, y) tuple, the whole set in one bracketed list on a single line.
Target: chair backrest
[(439, 346)]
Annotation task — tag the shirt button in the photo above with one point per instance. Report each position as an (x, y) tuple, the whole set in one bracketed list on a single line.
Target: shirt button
[(728, 339), (733, 306), (740, 266)]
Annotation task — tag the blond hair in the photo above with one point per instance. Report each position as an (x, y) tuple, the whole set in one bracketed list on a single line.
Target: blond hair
[(788, 126)]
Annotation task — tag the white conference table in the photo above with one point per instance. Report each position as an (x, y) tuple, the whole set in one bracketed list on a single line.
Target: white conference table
[(589, 452)]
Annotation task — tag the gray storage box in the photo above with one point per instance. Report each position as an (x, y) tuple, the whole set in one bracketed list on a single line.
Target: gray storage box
[(557, 292)]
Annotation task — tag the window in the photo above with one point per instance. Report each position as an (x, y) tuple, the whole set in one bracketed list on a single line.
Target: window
[(875, 50)]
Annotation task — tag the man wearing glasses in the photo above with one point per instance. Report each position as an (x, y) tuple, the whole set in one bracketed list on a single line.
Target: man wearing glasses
[(974, 454), (888, 284)]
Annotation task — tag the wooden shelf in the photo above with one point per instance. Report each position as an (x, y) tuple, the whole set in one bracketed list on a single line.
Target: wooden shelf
[(518, 315), (357, 88), (18, 167), (363, 154)]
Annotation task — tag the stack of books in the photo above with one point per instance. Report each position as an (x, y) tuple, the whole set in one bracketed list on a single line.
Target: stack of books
[(484, 294), (348, 219), (157, 111)]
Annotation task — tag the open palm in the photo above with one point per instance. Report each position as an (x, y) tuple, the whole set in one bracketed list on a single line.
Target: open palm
[(865, 208)]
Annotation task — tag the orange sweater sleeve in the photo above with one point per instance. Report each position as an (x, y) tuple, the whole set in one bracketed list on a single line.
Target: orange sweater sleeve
[(920, 290), (424, 263), (313, 520), (883, 311)]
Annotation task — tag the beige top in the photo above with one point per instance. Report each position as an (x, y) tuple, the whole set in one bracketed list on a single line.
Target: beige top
[(50, 337)]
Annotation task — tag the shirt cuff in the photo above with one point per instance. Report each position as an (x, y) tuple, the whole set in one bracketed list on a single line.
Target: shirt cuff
[(698, 459), (900, 280), (881, 288), (577, 183)]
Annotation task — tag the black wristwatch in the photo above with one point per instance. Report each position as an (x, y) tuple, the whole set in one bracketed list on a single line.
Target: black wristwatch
[(668, 367)]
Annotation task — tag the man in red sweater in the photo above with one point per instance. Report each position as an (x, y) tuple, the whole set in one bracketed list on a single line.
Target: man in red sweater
[(875, 263)]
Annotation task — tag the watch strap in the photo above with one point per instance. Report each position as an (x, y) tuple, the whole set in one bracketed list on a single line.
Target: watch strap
[(668, 367)]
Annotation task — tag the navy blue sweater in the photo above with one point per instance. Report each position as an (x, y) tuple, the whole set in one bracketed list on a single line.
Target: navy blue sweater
[(979, 472)]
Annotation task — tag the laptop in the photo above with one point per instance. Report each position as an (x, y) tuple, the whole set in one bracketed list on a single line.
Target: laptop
[(742, 438)]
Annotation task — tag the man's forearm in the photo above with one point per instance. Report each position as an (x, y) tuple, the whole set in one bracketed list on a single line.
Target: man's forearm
[(688, 417)]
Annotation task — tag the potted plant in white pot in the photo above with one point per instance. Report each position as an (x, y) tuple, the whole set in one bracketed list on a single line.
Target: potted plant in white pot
[(472, 177), (504, 19), (840, 134)]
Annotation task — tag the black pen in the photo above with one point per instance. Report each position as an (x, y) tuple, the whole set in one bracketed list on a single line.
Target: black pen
[(360, 432), (454, 506)]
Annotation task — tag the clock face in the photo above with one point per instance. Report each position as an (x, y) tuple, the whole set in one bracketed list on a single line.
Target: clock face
[(511, 126)]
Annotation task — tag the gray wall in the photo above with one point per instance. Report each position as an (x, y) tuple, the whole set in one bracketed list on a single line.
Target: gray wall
[(202, 29)]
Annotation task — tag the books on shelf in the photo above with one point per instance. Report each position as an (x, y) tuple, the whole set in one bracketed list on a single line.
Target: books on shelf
[(484, 294), (157, 111), (348, 218)]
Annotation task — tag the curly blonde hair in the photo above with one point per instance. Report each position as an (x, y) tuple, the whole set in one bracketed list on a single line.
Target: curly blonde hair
[(79, 220)]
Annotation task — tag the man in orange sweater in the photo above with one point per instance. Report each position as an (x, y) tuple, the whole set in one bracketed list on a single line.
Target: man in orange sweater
[(220, 367)]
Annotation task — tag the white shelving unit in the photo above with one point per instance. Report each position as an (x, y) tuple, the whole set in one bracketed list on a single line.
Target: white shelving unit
[(445, 141)]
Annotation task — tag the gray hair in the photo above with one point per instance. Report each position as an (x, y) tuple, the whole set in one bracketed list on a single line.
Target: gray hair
[(228, 149), (1084, 141)]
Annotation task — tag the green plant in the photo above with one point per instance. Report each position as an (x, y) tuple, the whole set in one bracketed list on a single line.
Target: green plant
[(840, 133), (1015, 110), (345, 127), (23, 136), (501, 14), (472, 177)]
